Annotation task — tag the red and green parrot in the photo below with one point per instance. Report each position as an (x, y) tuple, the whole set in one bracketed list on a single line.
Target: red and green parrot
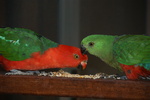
[(128, 53), (23, 49)]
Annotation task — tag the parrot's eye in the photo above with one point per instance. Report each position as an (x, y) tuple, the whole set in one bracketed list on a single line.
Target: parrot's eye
[(76, 56), (91, 43)]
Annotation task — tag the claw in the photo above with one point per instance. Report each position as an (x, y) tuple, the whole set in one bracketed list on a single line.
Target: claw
[(121, 77)]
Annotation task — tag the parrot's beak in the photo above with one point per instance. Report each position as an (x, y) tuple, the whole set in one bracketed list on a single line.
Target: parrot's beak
[(83, 50), (82, 65)]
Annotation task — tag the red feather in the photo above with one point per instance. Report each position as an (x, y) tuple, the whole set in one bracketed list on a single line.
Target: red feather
[(134, 72), (58, 57)]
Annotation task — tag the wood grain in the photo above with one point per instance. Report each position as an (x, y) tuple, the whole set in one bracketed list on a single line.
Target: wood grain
[(74, 87)]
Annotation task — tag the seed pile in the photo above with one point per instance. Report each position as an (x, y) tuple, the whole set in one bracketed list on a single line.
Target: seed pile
[(62, 73)]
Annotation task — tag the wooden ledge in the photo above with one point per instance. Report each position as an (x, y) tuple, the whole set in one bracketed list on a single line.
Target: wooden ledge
[(74, 87)]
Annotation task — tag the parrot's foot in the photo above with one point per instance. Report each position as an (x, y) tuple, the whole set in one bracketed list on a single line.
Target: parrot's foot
[(145, 78), (121, 77), (148, 77), (18, 72), (43, 73)]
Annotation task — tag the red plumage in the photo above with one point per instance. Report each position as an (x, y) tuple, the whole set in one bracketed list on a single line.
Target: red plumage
[(133, 72), (58, 57)]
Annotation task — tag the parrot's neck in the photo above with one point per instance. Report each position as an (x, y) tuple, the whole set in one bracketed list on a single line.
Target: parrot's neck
[(107, 54)]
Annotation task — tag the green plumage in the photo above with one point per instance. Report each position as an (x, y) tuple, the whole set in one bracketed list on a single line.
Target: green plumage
[(132, 50), (115, 50), (18, 44)]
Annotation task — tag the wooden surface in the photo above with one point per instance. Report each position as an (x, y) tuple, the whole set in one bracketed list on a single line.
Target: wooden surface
[(74, 87)]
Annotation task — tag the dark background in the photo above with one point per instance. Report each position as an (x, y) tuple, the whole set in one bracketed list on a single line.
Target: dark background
[(69, 21)]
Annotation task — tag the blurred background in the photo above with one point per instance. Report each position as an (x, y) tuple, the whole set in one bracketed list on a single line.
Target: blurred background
[(69, 21)]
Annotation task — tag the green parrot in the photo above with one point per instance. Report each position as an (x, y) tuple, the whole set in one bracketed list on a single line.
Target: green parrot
[(23, 49), (128, 53)]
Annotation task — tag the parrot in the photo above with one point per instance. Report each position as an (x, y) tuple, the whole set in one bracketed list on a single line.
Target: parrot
[(23, 49), (127, 53)]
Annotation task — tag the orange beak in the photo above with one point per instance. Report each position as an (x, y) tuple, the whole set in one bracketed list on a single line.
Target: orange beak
[(84, 64)]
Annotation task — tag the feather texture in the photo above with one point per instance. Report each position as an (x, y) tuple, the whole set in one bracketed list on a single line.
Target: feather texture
[(132, 49), (24, 49), (122, 52), (18, 44)]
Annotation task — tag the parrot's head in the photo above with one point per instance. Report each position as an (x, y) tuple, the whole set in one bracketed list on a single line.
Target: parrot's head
[(71, 56), (95, 44)]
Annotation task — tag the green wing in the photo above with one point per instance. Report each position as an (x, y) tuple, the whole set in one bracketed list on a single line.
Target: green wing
[(132, 49), (18, 44)]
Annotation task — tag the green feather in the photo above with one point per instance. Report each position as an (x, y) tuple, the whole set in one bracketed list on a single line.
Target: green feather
[(102, 48), (133, 49), (129, 47), (126, 49), (18, 44)]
